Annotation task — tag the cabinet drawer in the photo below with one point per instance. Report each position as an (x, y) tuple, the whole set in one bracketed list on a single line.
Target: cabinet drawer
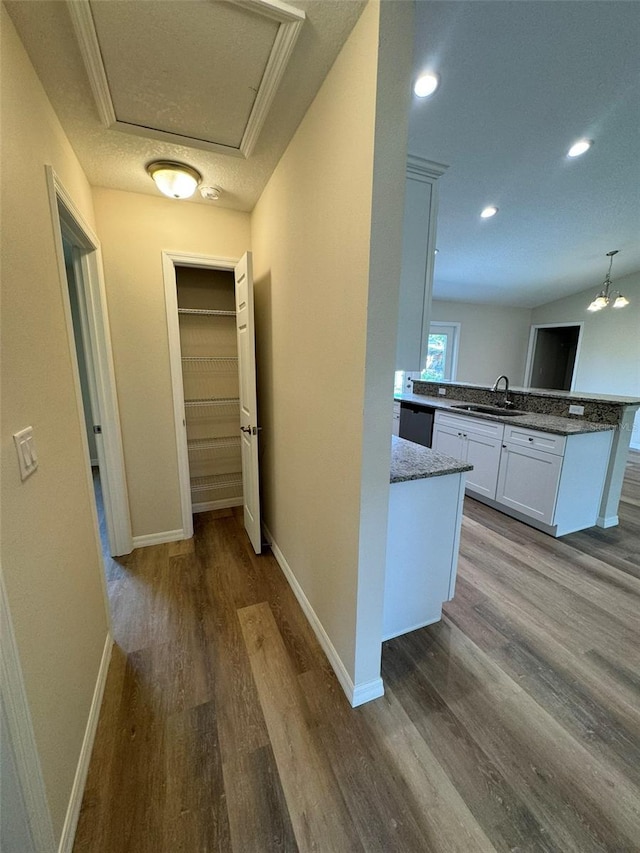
[(546, 441), (477, 426)]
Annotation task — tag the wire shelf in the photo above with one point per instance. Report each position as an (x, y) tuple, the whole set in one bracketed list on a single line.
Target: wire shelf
[(209, 312), (197, 444), (217, 481), (213, 401), (209, 362), (225, 358)]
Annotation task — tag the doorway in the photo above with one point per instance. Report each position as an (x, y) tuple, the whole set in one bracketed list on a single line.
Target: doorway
[(84, 299), (442, 352), (210, 321), (553, 355)]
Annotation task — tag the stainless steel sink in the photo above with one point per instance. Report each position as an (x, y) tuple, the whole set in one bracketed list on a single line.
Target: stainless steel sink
[(488, 410)]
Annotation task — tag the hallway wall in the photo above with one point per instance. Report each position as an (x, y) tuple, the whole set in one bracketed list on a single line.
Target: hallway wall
[(134, 231), (51, 562), (327, 238)]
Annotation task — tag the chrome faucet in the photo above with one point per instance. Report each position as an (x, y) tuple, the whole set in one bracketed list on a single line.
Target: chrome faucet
[(507, 401)]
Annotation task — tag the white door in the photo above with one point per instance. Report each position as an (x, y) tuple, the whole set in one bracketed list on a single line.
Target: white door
[(442, 352), (248, 399)]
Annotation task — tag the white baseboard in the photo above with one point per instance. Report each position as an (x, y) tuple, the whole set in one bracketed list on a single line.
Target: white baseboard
[(157, 538), (77, 791), (356, 694), (609, 521), (367, 692), (207, 506)]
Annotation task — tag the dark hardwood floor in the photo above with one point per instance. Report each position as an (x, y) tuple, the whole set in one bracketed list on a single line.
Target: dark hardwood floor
[(511, 725)]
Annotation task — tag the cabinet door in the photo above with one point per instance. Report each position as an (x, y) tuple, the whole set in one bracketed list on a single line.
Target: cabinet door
[(449, 441), (483, 453), (528, 481)]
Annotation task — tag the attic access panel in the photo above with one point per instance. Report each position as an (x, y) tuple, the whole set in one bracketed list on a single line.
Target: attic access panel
[(201, 73)]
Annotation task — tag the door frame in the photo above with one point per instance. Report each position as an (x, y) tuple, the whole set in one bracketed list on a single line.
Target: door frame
[(171, 260), (456, 344), (533, 339), (67, 219), (22, 742)]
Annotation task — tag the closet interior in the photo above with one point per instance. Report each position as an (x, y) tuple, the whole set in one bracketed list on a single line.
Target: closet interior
[(209, 353)]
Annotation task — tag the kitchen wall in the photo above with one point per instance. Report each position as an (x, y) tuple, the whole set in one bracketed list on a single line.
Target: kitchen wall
[(609, 360), (326, 306), (50, 555), (493, 340), (134, 230)]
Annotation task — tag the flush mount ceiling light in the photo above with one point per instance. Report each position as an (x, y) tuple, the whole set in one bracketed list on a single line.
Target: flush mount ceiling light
[(426, 84), (579, 147), (175, 180), (489, 211), (605, 297)]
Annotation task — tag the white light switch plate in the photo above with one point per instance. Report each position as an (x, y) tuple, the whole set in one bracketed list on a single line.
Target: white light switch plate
[(576, 410), (26, 449)]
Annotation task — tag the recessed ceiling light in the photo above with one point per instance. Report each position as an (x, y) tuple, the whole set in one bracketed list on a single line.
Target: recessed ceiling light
[(426, 84), (489, 211), (579, 147)]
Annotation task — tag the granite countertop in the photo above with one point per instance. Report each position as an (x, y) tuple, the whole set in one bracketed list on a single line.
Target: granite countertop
[(411, 461), (530, 420), (574, 396)]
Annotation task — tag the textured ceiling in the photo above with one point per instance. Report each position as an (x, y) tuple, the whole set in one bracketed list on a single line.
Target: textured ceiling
[(114, 159), (210, 97), (520, 82)]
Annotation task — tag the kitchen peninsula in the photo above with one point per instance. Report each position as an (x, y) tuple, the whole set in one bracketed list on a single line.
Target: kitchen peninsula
[(541, 464), (425, 514)]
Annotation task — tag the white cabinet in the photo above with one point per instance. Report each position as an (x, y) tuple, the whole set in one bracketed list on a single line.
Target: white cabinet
[(395, 429), (554, 481), (475, 441), (422, 551), (418, 248), (528, 481)]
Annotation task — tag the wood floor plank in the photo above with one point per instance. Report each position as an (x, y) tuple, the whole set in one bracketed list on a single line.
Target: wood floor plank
[(548, 675), (502, 814), (446, 821), (258, 812), (375, 794), (512, 725), (319, 816), (534, 751)]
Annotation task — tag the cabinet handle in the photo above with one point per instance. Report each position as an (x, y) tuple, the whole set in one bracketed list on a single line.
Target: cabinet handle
[(530, 438), (504, 446), (464, 435)]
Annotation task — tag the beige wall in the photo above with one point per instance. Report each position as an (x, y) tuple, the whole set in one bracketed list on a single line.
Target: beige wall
[(320, 316), (134, 230), (609, 358), (50, 559), (493, 340)]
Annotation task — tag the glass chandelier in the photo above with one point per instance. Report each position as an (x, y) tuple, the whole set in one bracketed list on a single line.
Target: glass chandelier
[(605, 297)]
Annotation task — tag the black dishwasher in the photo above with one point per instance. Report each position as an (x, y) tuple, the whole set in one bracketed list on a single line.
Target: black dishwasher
[(416, 423)]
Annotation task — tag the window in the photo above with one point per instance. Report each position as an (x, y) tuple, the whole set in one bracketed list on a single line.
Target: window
[(442, 352)]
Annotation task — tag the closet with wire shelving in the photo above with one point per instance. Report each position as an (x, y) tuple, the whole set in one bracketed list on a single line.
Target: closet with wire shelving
[(209, 360)]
